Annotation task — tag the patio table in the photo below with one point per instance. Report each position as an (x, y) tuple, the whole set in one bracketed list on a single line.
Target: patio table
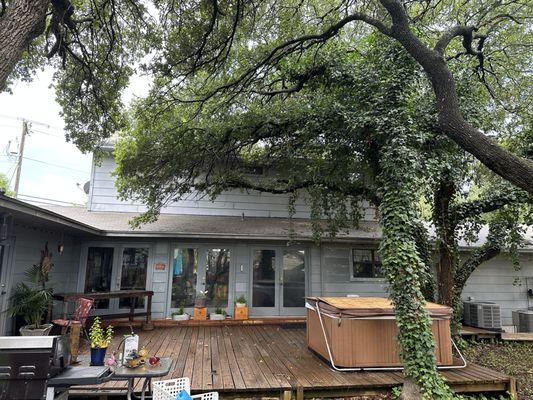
[(145, 372), (147, 324)]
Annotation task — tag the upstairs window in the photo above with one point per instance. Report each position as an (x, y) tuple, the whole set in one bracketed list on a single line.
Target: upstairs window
[(366, 264)]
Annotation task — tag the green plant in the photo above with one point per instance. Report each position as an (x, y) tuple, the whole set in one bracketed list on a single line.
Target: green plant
[(30, 303), (100, 338), (179, 311), (219, 310), (241, 299)]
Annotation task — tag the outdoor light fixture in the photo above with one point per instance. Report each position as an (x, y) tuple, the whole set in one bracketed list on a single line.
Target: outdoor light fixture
[(60, 248)]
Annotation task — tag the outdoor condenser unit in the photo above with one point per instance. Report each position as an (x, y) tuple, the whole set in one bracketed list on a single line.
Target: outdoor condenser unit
[(482, 314), (525, 321)]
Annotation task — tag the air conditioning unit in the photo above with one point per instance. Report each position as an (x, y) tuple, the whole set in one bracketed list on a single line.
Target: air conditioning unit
[(482, 314), (525, 321)]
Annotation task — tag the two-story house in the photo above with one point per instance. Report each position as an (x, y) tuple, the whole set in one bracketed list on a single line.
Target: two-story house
[(236, 245)]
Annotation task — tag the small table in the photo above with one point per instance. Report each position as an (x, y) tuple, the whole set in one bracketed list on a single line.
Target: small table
[(147, 324), (145, 372)]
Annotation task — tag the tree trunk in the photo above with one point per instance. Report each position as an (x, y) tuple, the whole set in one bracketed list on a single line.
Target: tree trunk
[(22, 22), (445, 224), (516, 170)]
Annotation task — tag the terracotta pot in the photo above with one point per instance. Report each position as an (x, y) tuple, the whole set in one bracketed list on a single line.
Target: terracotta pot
[(42, 330)]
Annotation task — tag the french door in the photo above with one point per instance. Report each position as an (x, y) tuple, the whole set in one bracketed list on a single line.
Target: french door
[(278, 283), (200, 269), (114, 268)]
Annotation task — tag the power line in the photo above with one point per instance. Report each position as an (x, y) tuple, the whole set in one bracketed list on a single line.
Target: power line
[(31, 121), (55, 165), (49, 163), (47, 200)]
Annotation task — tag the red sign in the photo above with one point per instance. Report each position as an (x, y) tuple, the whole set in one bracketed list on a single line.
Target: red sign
[(160, 266)]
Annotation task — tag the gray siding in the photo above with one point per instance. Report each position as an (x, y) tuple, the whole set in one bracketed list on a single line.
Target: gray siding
[(497, 281), (103, 197), (28, 244), (336, 279)]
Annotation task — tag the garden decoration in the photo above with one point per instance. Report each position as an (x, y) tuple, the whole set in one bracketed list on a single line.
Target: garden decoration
[(100, 339)]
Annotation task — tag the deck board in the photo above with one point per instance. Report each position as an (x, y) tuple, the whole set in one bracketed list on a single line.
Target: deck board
[(270, 359)]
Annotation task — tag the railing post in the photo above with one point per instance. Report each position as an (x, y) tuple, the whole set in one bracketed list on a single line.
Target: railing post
[(148, 325)]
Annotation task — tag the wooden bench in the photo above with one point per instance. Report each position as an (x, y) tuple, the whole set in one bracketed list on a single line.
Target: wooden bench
[(133, 294)]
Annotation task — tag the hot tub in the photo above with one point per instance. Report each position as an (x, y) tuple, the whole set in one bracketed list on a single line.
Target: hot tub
[(361, 331)]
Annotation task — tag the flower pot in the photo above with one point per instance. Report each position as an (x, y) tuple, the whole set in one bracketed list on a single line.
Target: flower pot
[(216, 317), (97, 356), (182, 317), (240, 304), (30, 330)]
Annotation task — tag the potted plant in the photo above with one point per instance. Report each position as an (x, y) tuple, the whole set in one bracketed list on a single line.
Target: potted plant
[(31, 300), (180, 315), (218, 315), (31, 303), (100, 339), (241, 301), (241, 311)]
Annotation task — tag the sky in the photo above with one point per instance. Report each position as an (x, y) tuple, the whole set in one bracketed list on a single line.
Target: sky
[(53, 170)]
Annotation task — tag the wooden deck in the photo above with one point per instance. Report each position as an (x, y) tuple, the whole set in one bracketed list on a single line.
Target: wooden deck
[(273, 360)]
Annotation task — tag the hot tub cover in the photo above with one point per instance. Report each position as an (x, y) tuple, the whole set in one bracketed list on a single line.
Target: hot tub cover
[(364, 307)]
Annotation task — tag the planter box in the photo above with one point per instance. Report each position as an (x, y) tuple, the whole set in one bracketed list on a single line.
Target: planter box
[(182, 317), (241, 313), (217, 317), (43, 330), (200, 313)]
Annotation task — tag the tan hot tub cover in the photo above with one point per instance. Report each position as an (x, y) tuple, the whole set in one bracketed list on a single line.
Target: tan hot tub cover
[(366, 307), (361, 331)]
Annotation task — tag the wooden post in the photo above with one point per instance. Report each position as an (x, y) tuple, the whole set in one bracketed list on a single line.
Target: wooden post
[(300, 393), (132, 308), (513, 389), (65, 307), (148, 325), (75, 329), (287, 395)]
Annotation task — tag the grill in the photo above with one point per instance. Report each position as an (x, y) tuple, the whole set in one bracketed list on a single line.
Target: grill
[(28, 364)]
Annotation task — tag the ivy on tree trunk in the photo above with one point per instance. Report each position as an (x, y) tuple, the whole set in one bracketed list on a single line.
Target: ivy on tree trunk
[(406, 271)]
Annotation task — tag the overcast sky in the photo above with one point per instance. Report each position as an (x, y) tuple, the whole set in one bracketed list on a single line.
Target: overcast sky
[(52, 168)]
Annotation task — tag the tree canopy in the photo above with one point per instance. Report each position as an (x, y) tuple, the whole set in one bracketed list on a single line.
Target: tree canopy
[(234, 49)]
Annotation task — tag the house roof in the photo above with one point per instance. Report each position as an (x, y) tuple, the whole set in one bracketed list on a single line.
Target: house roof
[(80, 221), (35, 216), (209, 226)]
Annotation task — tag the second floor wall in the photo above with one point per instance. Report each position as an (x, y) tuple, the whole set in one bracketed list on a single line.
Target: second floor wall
[(103, 197)]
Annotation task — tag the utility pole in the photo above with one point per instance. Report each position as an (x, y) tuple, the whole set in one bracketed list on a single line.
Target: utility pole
[(21, 156)]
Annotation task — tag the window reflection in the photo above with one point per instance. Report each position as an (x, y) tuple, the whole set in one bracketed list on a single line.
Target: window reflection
[(184, 277), (133, 274), (217, 277), (98, 272), (264, 278)]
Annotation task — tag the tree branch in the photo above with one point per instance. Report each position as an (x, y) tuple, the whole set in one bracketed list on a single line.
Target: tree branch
[(488, 204)]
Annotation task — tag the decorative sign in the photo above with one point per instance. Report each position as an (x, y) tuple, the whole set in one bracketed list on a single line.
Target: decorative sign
[(160, 266)]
